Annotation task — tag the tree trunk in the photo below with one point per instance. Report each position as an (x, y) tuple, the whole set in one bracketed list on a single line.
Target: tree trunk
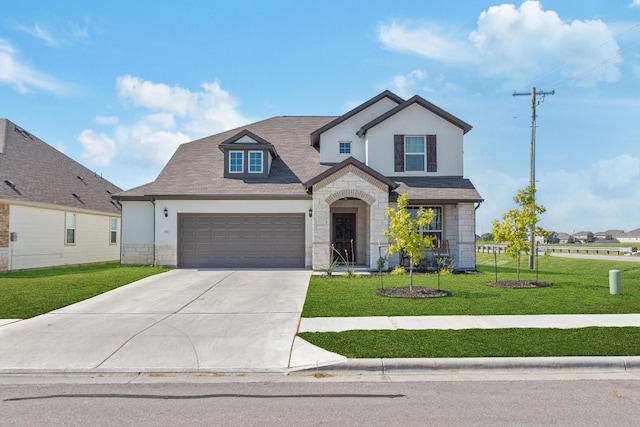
[(410, 274)]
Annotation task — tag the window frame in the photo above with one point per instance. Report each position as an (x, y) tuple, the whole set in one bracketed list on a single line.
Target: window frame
[(232, 163), (113, 231), (67, 228), (347, 148), (438, 218), (249, 166), (414, 154)]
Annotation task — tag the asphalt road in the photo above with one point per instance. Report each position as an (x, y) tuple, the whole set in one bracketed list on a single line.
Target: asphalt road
[(611, 402)]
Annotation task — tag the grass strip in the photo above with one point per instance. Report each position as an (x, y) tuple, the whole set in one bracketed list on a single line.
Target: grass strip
[(29, 293), (517, 342)]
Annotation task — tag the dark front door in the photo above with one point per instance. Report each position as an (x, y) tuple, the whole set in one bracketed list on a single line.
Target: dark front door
[(344, 237)]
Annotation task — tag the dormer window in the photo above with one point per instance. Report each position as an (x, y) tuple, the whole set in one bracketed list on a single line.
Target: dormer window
[(246, 155), (236, 161), (255, 162)]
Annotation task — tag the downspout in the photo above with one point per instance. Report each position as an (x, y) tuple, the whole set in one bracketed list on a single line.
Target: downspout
[(153, 202)]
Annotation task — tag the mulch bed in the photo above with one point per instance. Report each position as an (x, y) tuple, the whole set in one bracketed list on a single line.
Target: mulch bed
[(416, 292), (519, 284)]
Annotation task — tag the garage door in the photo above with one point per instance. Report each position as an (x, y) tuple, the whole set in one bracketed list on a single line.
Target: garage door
[(241, 240)]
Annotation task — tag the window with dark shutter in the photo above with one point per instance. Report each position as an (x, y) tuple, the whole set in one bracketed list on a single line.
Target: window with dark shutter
[(398, 153), (432, 158)]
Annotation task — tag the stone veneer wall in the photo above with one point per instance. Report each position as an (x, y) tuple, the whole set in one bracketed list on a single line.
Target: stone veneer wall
[(137, 254), (4, 237), (353, 183), (166, 255), (466, 236)]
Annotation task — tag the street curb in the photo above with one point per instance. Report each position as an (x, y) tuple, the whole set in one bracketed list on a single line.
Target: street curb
[(488, 364)]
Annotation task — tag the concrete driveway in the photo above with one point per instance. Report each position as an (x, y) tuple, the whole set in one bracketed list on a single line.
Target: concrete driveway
[(179, 321)]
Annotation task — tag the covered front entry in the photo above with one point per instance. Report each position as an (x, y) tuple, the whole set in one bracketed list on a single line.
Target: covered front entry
[(349, 213), (241, 240)]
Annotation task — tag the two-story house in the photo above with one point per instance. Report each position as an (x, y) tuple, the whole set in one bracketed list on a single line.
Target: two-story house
[(294, 191)]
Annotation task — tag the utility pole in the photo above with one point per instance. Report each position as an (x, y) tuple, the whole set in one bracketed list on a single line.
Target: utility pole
[(534, 101)]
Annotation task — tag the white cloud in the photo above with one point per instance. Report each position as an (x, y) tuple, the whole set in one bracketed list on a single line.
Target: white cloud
[(145, 145), (106, 120), (156, 96), (171, 115), (635, 3), (430, 41), (99, 149), (40, 33), (600, 197), (405, 85), (519, 44), (22, 77)]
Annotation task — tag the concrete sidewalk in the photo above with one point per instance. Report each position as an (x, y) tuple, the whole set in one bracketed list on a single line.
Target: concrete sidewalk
[(561, 321)]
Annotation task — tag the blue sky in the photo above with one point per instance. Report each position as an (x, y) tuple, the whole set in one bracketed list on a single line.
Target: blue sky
[(119, 85)]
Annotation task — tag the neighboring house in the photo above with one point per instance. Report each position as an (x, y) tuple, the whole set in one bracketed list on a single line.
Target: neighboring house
[(609, 236), (282, 192), (552, 238), (563, 237), (631, 236), (53, 211), (583, 237)]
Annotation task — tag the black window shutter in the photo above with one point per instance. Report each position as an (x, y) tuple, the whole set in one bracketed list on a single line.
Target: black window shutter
[(398, 153), (432, 157)]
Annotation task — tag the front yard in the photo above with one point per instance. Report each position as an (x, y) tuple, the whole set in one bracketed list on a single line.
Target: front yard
[(579, 287), (25, 294)]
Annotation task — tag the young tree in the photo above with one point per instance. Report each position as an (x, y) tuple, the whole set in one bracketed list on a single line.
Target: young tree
[(517, 222), (405, 235)]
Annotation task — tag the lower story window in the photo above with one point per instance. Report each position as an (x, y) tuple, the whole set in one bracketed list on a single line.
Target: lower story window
[(434, 228), (70, 229), (113, 231)]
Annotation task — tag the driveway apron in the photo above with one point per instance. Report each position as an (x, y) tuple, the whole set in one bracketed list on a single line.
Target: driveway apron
[(182, 320)]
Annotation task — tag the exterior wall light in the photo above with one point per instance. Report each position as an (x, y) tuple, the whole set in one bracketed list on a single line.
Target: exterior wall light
[(310, 212), (166, 212)]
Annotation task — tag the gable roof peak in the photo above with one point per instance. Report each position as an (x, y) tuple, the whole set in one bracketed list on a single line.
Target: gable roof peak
[(315, 135), (259, 142), (417, 99)]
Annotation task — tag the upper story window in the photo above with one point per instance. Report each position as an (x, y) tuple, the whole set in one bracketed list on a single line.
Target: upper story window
[(236, 161), (435, 227), (255, 161), (414, 153), (70, 229), (345, 147), (113, 231)]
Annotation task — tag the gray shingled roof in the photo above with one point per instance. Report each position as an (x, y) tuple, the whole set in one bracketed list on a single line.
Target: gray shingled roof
[(196, 170), (442, 189), (31, 171)]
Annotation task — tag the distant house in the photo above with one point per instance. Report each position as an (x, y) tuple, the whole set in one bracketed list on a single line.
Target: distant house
[(563, 237), (53, 210), (609, 236), (631, 236), (305, 191), (552, 238), (583, 236)]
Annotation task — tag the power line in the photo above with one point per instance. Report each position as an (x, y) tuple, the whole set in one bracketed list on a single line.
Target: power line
[(534, 102)]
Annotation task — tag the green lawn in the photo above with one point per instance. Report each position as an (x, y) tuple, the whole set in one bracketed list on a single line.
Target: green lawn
[(480, 343), (25, 294), (579, 287)]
